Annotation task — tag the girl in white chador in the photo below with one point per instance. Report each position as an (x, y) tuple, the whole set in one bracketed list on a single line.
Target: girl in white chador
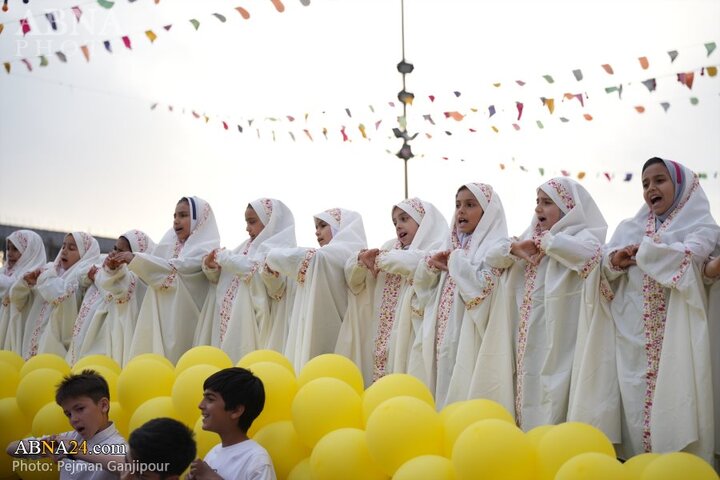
[(654, 263), (540, 298), (711, 275), (452, 287), (378, 280), (246, 311), (61, 286), (321, 297), (176, 285), (110, 329), (25, 253)]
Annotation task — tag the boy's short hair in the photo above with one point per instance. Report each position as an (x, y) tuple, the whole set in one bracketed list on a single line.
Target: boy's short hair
[(238, 386), (163, 441), (87, 383)]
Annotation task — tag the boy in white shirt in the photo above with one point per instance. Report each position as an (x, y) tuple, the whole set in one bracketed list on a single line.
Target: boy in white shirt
[(232, 399)]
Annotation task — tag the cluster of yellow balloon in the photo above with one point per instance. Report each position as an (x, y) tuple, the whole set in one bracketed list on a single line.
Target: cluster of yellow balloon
[(322, 424)]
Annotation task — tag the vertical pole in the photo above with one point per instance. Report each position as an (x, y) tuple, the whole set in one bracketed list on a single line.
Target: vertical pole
[(406, 178)]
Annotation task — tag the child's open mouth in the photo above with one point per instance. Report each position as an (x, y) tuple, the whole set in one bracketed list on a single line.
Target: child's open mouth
[(655, 199)]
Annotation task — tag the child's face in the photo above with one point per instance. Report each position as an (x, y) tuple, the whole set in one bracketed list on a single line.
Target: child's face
[(254, 225), (181, 220), (548, 214), (405, 226), (214, 416), (658, 188), (13, 254), (468, 211), (86, 417), (323, 232), (122, 245), (69, 254)]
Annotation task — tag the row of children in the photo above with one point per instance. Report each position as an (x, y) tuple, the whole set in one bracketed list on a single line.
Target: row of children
[(162, 448), (554, 324)]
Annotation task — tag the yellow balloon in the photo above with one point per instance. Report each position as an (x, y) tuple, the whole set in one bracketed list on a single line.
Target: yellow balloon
[(468, 413), (10, 379), (564, 441), (50, 420), (36, 388), (426, 467), (394, 385), (142, 380), (537, 433), (15, 426), (678, 465), (12, 358), (280, 389), (343, 454), (265, 356), (92, 361), (205, 440), (301, 471), (636, 465), (494, 450), (120, 418), (284, 446), (333, 365), (154, 408), (324, 405), (592, 466), (402, 428), (187, 391), (203, 355), (45, 360), (448, 409), (152, 356)]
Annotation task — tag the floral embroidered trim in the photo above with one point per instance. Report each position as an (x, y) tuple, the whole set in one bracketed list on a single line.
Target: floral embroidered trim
[(447, 298), (268, 271), (141, 240), (591, 264), (684, 264), (335, 213), (304, 266), (268, 206), (538, 239), (429, 265), (248, 276), (606, 289), (386, 318), (128, 295), (566, 197), (203, 217), (35, 338), (169, 280), (417, 312), (57, 301), (226, 306), (488, 279), (417, 205), (23, 241), (87, 241), (525, 310), (6, 301), (80, 320), (486, 190), (654, 314)]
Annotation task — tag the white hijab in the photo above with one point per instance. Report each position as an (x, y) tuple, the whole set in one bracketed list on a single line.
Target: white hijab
[(432, 226), (279, 228), (347, 229), (32, 253), (140, 242), (89, 250), (204, 236), (492, 225)]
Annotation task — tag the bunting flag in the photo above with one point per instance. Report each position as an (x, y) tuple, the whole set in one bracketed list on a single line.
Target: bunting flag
[(25, 25), (27, 64), (347, 111), (126, 41), (150, 35), (429, 119), (665, 106), (651, 84), (686, 79), (243, 13), (105, 3), (644, 63), (618, 89), (673, 55), (51, 19), (220, 17), (195, 23), (278, 5), (710, 47), (342, 131), (519, 109), (491, 109), (361, 127), (61, 56), (77, 12), (43, 61), (628, 177), (694, 101), (540, 124), (520, 82), (578, 74), (608, 69), (85, 52), (549, 78), (2, 27), (457, 116), (640, 108), (549, 103), (107, 45)]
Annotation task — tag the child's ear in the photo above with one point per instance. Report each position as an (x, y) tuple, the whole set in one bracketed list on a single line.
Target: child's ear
[(104, 405), (237, 412)]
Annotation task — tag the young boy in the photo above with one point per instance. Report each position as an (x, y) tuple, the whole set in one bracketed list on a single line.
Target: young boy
[(85, 400), (159, 450), (232, 400)]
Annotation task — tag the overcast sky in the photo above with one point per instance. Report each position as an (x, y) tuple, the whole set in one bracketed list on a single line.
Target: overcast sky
[(81, 147)]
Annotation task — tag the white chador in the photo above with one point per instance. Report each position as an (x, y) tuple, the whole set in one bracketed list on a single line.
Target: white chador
[(58, 295), (322, 295), (177, 287), (84, 331), (238, 315), (110, 327), (713, 315), (13, 315), (369, 328), (663, 349), (541, 303), (454, 307)]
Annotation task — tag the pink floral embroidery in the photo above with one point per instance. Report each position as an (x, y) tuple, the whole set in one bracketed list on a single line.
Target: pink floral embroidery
[(226, 306), (35, 338), (305, 265), (525, 310), (386, 318), (128, 295), (268, 206), (170, 279), (591, 264), (538, 239), (565, 196), (488, 280), (248, 276), (85, 309), (70, 291), (416, 312), (417, 205), (87, 241), (447, 298), (486, 190), (606, 289), (141, 240), (654, 314), (335, 213), (22, 239)]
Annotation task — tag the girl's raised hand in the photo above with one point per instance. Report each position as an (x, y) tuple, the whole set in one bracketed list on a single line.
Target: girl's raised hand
[(31, 277), (624, 257), (712, 268), (211, 260), (527, 250), (124, 257), (368, 257), (440, 260), (91, 273)]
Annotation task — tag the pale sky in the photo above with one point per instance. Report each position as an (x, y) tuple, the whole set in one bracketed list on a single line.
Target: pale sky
[(81, 149)]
